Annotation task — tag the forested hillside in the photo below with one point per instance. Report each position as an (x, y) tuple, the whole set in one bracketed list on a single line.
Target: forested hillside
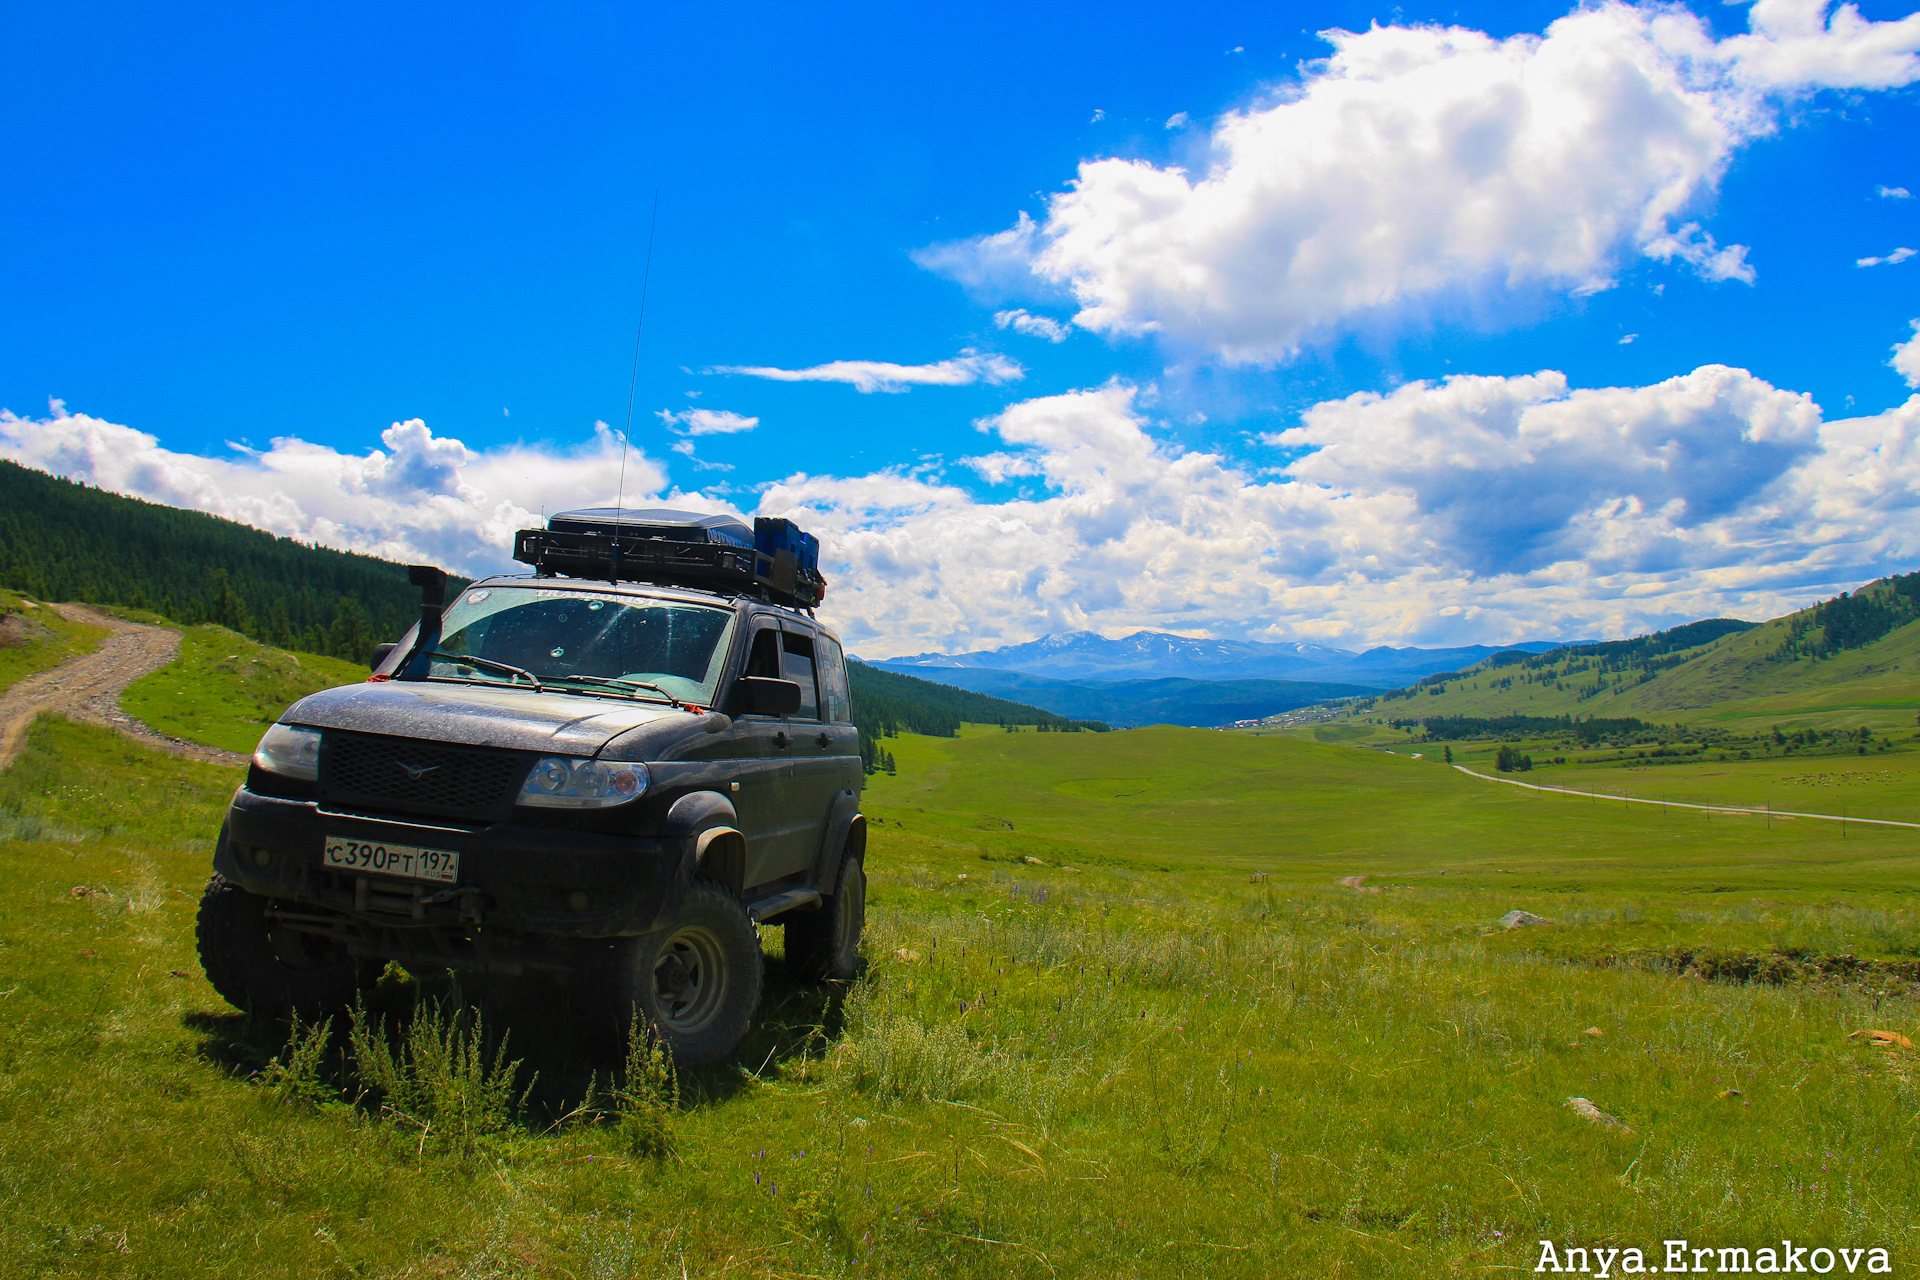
[(886, 704), (60, 540), (1853, 660)]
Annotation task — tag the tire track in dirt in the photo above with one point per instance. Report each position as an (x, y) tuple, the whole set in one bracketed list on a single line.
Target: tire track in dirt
[(87, 688)]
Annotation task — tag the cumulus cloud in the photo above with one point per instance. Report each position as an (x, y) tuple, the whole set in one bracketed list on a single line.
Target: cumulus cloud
[(1178, 120), (1022, 321), (419, 498), (1895, 193), (1890, 259), (1420, 163), (867, 376), (1906, 358), (706, 422), (1474, 509)]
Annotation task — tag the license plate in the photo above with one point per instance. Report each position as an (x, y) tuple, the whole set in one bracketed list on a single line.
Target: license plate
[(407, 861)]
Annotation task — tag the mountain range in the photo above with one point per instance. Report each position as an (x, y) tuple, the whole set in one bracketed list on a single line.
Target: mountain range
[(1154, 677), (1087, 655)]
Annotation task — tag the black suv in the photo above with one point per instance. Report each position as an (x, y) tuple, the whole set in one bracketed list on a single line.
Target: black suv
[(611, 780)]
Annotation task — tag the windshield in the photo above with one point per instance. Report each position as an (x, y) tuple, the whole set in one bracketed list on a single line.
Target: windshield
[(580, 639)]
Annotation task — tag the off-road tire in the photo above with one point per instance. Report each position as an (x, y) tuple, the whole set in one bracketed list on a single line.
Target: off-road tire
[(697, 981), (824, 944), (266, 971)]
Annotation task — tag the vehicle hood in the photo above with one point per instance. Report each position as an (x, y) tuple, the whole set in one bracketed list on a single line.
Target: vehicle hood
[(517, 719)]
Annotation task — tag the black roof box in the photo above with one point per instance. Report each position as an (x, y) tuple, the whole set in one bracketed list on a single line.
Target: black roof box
[(774, 560), (671, 526)]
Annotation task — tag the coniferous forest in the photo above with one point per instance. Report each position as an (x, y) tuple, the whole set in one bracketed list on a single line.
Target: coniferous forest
[(61, 540)]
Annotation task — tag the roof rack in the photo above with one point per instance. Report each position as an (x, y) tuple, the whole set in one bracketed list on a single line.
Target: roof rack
[(775, 561)]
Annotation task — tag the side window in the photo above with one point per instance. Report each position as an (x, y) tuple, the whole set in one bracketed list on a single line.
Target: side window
[(833, 681), (798, 667), (763, 659)]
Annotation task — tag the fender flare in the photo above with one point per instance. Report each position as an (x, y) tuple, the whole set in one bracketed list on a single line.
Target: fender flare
[(846, 831), (711, 842)]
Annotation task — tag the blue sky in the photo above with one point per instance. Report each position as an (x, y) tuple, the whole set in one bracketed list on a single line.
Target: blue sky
[(232, 227)]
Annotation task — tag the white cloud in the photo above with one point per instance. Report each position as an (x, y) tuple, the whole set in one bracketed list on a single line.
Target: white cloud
[(866, 376), (685, 449), (420, 498), (1022, 321), (1895, 193), (1471, 509), (1475, 509), (1906, 358), (706, 422), (1099, 114), (1178, 120), (1628, 340), (1897, 256), (1418, 164)]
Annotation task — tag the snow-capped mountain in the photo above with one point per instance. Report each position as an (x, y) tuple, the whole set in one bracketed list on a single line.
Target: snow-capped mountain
[(1086, 655)]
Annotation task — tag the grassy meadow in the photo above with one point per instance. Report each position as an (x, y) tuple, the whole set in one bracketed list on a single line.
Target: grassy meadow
[(1118, 1020), (224, 689)]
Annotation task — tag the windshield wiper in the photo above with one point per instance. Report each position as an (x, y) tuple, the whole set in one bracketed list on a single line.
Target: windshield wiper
[(468, 660), (624, 684)]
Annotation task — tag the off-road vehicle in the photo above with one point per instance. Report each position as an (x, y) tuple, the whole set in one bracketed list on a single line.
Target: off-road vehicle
[(614, 769)]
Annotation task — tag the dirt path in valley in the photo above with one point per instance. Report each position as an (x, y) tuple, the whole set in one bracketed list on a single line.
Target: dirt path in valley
[(87, 688), (1768, 812)]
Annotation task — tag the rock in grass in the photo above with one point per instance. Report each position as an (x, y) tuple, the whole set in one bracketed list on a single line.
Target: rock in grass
[(1351, 882), (1593, 1033), (1521, 919), (1594, 1115)]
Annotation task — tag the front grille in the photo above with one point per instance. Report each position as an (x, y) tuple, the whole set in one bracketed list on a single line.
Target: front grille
[(414, 775)]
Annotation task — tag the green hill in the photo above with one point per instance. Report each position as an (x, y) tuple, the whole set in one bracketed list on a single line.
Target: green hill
[(886, 704), (1848, 663), (60, 540)]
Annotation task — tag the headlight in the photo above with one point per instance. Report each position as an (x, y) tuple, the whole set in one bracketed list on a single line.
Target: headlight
[(289, 751), (560, 783)]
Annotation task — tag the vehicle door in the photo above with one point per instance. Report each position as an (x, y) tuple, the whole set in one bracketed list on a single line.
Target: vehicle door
[(816, 767), (762, 759), (836, 709)]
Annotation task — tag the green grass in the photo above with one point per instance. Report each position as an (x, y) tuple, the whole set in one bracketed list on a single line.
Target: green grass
[(1150, 1064), (33, 637), (224, 689)]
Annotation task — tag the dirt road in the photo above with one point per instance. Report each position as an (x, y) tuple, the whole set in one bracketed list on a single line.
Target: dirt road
[(87, 688), (1768, 812)]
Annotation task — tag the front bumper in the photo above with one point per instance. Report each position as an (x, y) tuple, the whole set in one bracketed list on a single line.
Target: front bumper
[(513, 877)]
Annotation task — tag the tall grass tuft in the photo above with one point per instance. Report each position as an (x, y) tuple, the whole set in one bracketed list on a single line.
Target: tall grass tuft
[(295, 1077), (439, 1075), (648, 1095)]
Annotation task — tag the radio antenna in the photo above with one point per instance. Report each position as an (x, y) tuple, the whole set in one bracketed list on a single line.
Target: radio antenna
[(633, 383)]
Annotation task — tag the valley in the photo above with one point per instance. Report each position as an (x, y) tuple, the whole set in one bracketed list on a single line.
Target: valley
[(1185, 973)]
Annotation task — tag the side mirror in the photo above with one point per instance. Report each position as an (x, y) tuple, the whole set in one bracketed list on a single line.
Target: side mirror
[(380, 654), (764, 696)]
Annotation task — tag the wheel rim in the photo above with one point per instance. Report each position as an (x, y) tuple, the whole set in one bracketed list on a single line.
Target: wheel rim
[(689, 980)]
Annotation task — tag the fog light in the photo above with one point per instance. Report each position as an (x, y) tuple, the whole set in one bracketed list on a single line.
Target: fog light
[(577, 900), (261, 857)]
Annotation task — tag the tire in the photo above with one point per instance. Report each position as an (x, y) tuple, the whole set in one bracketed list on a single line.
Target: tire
[(268, 971), (696, 981), (824, 944)]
